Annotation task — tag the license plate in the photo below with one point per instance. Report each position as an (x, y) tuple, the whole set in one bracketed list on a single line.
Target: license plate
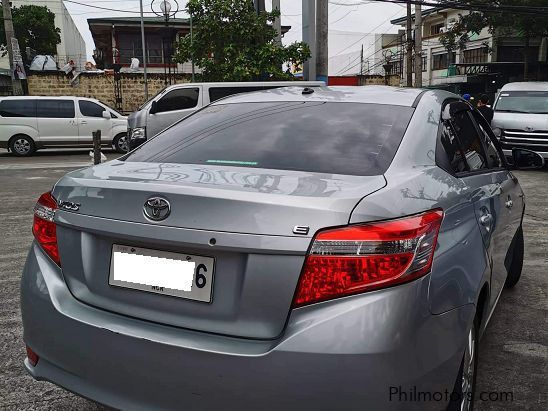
[(162, 272)]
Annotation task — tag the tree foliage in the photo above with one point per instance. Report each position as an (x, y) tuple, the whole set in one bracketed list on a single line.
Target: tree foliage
[(515, 18), (34, 27), (231, 42)]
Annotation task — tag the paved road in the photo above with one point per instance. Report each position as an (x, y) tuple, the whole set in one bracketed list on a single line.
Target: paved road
[(514, 352)]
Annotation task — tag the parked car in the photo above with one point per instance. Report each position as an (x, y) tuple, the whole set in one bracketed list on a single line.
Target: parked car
[(178, 101), (30, 123), (328, 248), (521, 117)]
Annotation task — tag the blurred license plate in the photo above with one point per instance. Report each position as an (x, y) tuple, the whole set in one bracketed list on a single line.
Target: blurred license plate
[(162, 272)]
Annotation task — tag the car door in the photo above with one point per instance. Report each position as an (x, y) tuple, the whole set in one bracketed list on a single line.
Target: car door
[(57, 123), (485, 188), (511, 197), (90, 119), (172, 107)]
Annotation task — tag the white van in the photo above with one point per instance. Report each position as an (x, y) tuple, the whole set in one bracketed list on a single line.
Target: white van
[(29, 123), (178, 101)]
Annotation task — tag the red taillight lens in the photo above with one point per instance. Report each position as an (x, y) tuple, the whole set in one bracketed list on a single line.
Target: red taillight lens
[(360, 258), (43, 227), (32, 356)]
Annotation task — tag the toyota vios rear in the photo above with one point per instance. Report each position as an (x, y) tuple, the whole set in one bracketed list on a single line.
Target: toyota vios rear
[(274, 250)]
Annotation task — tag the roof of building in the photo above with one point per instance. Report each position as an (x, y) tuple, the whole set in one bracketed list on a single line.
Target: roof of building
[(424, 13), (339, 94)]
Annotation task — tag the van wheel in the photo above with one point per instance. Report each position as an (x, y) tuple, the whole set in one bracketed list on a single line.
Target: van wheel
[(22, 145), (516, 266), (120, 143)]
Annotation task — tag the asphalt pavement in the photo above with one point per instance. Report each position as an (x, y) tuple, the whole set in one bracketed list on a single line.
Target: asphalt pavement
[(513, 370)]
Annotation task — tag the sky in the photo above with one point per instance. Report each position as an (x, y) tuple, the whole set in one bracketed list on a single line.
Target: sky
[(344, 15)]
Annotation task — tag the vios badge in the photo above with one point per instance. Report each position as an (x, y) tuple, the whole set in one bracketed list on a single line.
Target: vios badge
[(156, 209)]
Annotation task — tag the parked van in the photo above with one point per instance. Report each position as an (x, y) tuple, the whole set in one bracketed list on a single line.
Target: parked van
[(521, 117), (178, 101), (29, 123)]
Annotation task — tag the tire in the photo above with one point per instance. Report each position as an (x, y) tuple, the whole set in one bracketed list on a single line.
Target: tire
[(516, 266), (462, 397), (119, 143), (22, 145)]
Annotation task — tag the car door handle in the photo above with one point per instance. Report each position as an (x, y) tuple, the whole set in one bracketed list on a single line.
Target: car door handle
[(486, 219), (83, 122)]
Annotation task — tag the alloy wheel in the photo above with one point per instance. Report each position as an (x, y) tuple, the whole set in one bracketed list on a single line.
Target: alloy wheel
[(21, 146)]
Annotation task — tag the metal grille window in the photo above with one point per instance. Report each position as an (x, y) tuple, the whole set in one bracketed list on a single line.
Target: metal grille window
[(423, 63), (477, 55), (441, 61), (436, 29)]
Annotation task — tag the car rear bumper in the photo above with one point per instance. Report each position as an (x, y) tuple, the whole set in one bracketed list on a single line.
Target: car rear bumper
[(347, 354)]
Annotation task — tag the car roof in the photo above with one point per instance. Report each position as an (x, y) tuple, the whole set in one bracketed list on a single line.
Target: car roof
[(526, 86), (45, 97), (398, 96)]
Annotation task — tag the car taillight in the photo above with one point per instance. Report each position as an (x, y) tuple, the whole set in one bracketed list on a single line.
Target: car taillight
[(43, 227), (358, 258), (32, 356)]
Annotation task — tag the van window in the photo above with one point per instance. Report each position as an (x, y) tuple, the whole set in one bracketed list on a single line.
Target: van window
[(532, 102), (331, 138), (90, 109), (215, 93), (18, 108), (180, 99), (55, 108)]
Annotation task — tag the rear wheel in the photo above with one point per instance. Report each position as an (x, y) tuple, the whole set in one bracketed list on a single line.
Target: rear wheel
[(120, 143), (22, 145), (462, 397), (516, 266)]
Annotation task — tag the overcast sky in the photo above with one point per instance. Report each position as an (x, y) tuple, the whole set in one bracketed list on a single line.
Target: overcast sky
[(346, 15)]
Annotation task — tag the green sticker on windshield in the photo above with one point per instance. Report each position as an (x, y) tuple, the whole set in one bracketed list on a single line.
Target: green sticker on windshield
[(237, 162)]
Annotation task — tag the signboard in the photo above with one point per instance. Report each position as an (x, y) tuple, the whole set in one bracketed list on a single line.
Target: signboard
[(18, 68)]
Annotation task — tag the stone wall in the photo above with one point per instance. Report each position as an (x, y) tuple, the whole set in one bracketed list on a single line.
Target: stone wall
[(377, 79), (99, 86)]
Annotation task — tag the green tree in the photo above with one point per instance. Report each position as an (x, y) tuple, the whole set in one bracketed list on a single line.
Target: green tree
[(34, 27), (502, 18), (231, 42)]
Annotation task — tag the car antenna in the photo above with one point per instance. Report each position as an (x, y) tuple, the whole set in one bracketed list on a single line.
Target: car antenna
[(308, 90)]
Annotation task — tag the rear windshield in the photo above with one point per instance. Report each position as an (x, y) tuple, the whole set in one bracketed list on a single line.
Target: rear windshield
[(334, 138), (534, 102)]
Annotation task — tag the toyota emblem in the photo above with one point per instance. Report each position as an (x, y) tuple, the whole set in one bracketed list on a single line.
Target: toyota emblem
[(156, 208)]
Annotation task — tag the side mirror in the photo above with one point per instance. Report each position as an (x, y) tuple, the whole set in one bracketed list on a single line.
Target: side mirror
[(526, 159), (154, 107), (106, 115)]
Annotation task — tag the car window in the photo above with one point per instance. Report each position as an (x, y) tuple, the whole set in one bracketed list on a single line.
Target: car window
[(534, 102), (90, 109), (469, 141), (179, 99), (333, 138), (18, 108), (55, 108), (494, 159), (452, 149), (216, 93)]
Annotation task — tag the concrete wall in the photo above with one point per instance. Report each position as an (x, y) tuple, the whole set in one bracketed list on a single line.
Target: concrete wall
[(98, 86)]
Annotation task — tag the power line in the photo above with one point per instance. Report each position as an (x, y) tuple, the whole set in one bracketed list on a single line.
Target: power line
[(107, 8)]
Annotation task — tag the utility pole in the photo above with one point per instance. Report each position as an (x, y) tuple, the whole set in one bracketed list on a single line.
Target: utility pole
[(143, 46), (361, 62), (277, 22), (10, 34), (259, 6), (322, 58), (418, 45), (309, 37), (409, 51)]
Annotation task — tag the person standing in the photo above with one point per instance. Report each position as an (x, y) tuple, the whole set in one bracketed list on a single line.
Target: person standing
[(484, 109)]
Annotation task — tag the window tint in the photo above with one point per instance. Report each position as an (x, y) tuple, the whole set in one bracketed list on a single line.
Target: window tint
[(91, 109), (215, 93), (334, 138), (179, 100), (18, 108), (55, 108), (469, 141), (452, 149), (494, 158)]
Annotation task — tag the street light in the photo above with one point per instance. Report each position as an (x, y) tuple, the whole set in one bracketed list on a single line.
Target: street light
[(166, 11)]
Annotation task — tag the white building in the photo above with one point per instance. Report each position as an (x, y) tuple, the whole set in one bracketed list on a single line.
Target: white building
[(346, 57), (435, 58), (72, 46)]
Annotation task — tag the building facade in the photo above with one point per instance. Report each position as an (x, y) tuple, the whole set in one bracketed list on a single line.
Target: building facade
[(72, 46), (483, 66)]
